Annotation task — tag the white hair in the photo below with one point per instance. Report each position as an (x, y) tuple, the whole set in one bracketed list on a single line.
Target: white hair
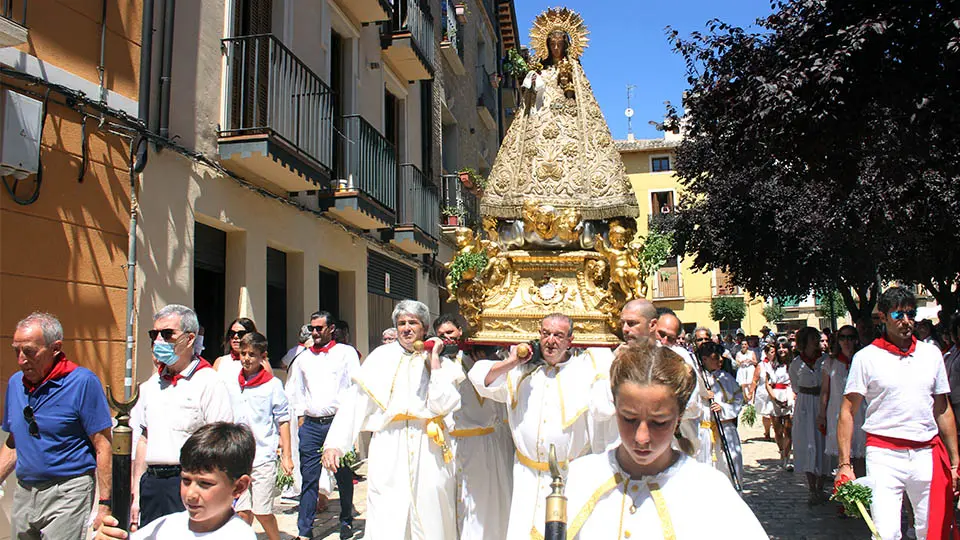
[(412, 307), (49, 325), (188, 317)]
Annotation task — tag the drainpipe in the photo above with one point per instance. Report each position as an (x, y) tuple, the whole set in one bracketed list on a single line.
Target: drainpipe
[(101, 68), (138, 158), (166, 64)]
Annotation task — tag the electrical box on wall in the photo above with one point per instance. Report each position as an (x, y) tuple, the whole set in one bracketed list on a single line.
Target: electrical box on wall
[(20, 143)]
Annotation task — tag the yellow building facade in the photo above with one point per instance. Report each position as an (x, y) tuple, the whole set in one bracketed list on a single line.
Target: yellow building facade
[(689, 293)]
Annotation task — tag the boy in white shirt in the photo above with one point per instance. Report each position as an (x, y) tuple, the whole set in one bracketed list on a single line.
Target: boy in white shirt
[(262, 405), (215, 469)]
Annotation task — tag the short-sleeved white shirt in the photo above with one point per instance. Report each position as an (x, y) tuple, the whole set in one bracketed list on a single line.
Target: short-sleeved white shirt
[(899, 390), (171, 413), (177, 527)]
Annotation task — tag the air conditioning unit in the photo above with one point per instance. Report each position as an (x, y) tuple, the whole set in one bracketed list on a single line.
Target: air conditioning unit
[(20, 142)]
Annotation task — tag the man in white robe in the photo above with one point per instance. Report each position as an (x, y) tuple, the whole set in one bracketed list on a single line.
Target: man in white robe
[(564, 401), (483, 450), (406, 403)]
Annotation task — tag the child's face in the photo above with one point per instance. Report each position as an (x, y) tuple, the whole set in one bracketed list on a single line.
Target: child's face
[(250, 360), (712, 362), (646, 418), (208, 496)]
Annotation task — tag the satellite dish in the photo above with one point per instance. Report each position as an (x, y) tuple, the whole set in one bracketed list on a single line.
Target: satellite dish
[(628, 112)]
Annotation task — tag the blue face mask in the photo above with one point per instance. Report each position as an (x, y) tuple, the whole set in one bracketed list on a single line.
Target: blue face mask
[(164, 353)]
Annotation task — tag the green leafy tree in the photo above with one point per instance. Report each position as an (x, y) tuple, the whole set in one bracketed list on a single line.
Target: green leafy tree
[(831, 300), (774, 312), (822, 151), (728, 309), (657, 248)]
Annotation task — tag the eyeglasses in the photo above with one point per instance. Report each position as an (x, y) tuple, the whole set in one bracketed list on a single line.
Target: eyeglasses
[(899, 315), (664, 336), (238, 333), (167, 334), (31, 419), (318, 329), (847, 337)]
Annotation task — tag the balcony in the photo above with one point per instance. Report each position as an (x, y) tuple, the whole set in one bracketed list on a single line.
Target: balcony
[(667, 284), (486, 100), (407, 40), (279, 117), (460, 202), (723, 285), (451, 37), (13, 22), (366, 192), (368, 11), (418, 219)]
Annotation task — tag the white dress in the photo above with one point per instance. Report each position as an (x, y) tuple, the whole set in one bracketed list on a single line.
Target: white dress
[(687, 501), (729, 396), (779, 375), (837, 371), (808, 441), (484, 453), (761, 399), (411, 481), (568, 405)]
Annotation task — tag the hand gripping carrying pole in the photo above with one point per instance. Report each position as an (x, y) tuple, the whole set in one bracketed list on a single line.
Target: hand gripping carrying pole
[(122, 466), (555, 525), (723, 438)]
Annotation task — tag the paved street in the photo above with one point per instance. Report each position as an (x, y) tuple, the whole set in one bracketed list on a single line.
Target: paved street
[(779, 500)]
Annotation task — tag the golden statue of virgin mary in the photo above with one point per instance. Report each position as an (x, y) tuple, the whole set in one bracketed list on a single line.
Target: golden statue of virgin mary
[(558, 150), (558, 211)]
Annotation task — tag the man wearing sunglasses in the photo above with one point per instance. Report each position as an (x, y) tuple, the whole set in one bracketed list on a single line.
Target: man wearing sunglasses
[(911, 435), (186, 395), (59, 424)]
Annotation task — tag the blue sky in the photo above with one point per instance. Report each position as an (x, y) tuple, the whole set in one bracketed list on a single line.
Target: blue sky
[(628, 45)]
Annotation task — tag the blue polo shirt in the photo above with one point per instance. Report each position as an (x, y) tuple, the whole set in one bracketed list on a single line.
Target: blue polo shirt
[(68, 412)]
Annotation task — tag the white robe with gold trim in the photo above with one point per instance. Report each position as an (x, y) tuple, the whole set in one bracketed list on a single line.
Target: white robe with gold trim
[(568, 405), (687, 501), (411, 488)]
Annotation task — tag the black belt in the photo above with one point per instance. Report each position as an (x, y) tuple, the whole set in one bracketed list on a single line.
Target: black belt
[(319, 419), (163, 471), (810, 390)]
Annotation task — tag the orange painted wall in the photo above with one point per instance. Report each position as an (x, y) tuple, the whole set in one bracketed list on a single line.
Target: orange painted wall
[(66, 252)]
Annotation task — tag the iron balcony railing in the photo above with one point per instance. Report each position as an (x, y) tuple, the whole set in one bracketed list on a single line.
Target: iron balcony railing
[(371, 161), (451, 31), (458, 199), (419, 204), (668, 283), (487, 96), (270, 91), (15, 11), (414, 16)]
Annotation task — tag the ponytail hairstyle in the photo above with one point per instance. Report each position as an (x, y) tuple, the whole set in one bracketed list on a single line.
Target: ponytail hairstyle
[(644, 363)]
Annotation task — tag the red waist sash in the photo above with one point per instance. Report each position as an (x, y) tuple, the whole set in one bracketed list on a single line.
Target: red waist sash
[(780, 386), (940, 522)]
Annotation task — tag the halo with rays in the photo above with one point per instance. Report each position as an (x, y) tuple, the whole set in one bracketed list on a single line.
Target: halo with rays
[(564, 19)]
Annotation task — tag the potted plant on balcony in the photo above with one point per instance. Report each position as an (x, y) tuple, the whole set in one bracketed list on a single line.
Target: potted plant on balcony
[(465, 266), (453, 215), (469, 177), (460, 11)]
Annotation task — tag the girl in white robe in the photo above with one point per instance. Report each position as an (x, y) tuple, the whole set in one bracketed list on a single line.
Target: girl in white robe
[(643, 488), (835, 371)]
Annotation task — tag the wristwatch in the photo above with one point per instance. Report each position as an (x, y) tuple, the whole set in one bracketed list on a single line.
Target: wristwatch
[(106, 502)]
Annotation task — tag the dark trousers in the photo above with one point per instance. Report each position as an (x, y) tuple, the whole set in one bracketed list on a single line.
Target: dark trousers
[(159, 497), (312, 434)]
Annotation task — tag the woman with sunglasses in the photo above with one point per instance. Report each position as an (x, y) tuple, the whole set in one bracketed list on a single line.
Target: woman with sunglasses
[(761, 399), (228, 365), (781, 396), (835, 371)]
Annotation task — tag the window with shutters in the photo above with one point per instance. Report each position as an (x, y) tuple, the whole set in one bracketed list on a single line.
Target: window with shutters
[(251, 69)]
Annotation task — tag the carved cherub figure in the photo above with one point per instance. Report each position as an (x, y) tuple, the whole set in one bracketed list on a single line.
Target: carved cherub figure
[(568, 225), (467, 244), (624, 266), (542, 219)]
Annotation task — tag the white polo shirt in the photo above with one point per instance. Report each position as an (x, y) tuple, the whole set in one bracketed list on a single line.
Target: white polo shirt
[(899, 390), (172, 412), (316, 380)]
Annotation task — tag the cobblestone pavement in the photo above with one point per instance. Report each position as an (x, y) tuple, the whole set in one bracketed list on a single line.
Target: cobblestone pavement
[(779, 499)]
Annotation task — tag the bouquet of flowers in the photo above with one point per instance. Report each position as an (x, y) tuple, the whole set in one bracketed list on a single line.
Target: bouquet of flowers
[(283, 480), (856, 496), (749, 415)]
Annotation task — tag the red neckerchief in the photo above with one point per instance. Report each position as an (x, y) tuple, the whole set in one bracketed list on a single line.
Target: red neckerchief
[(172, 379), (61, 367), (885, 344), (844, 359), (261, 377), (234, 354), (326, 348)]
